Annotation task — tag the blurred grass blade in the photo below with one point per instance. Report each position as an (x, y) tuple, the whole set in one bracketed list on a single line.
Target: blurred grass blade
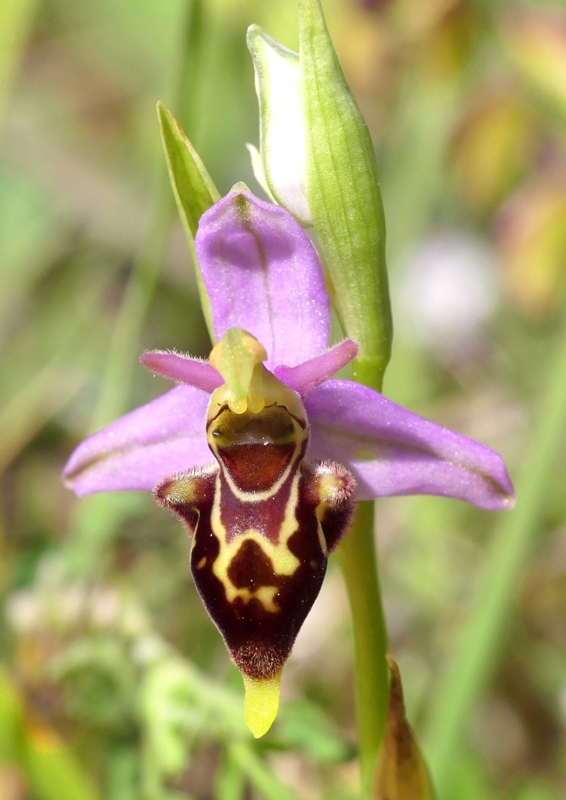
[(9, 720), (264, 781), (122, 358), (51, 770), (192, 186), (471, 779), (16, 17), (484, 635), (229, 782), (96, 518), (27, 412), (401, 771)]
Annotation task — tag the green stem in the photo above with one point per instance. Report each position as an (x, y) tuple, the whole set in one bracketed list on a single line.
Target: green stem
[(358, 559), (359, 565), (486, 631)]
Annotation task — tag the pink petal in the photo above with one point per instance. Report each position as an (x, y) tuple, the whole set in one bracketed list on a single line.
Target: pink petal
[(138, 450), (307, 376), (184, 369), (391, 451), (262, 274)]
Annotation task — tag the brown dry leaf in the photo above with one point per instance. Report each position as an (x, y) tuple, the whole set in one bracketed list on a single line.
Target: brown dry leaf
[(401, 771)]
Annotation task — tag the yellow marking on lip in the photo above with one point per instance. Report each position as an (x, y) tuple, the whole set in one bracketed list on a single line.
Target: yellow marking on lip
[(329, 488), (201, 563), (265, 595), (284, 562), (321, 539)]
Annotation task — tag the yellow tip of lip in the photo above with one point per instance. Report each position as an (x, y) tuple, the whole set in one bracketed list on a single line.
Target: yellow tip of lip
[(261, 703)]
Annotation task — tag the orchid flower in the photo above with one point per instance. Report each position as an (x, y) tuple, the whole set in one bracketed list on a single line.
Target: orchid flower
[(261, 452)]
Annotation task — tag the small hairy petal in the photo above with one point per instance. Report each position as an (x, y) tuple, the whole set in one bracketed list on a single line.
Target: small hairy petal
[(391, 451), (307, 376), (184, 369), (159, 439), (262, 274)]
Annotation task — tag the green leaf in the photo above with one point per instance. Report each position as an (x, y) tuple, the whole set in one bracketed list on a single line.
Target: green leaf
[(344, 196), (193, 188)]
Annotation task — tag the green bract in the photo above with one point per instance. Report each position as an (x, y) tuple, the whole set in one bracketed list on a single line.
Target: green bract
[(192, 186), (314, 136)]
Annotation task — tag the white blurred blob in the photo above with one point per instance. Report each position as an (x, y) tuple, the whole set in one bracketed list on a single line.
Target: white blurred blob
[(447, 291)]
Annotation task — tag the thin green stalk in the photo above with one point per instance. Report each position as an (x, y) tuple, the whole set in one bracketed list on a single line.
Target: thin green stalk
[(358, 560), (359, 565), (486, 631)]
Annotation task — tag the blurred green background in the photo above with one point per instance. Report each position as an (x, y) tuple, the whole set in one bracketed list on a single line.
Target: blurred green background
[(113, 682)]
